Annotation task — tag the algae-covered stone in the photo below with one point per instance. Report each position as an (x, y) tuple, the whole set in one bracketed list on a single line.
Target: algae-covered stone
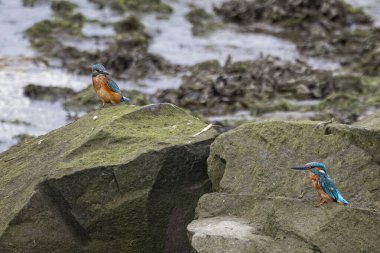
[(250, 168), (135, 5), (370, 122), (126, 180), (129, 24), (202, 21), (63, 7), (32, 3)]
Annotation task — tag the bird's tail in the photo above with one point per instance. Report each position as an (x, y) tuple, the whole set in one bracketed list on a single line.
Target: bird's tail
[(124, 99), (341, 200)]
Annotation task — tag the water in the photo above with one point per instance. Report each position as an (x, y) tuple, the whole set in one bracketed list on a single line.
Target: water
[(173, 39), (36, 117), (14, 20), (243, 116)]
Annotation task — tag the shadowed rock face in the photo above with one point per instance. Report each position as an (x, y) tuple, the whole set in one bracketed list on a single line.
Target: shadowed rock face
[(258, 193), (125, 181)]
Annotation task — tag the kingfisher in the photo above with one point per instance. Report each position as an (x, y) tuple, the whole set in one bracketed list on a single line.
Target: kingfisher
[(105, 87), (322, 183)]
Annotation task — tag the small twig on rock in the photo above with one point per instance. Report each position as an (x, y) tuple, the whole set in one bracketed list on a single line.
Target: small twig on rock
[(203, 130)]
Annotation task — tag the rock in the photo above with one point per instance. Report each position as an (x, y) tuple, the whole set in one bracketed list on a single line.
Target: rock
[(370, 64), (133, 5), (129, 24), (370, 122), (228, 234), (202, 21), (249, 170), (63, 7), (49, 93), (23, 137), (16, 122), (127, 182), (32, 3), (352, 98)]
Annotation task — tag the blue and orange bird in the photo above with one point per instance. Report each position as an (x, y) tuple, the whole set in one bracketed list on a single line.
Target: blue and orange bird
[(105, 87), (322, 183)]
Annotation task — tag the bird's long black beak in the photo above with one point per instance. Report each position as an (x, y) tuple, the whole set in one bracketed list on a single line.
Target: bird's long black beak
[(301, 168), (104, 72)]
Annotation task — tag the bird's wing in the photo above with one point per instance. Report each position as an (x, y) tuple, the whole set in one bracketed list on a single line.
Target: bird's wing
[(113, 86), (328, 187)]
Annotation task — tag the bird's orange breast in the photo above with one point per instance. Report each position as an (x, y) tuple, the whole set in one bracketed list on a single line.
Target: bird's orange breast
[(104, 92), (314, 181), (99, 82)]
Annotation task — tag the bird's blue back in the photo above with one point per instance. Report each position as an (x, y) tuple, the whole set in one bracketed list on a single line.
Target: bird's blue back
[(113, 86), (328, 186)]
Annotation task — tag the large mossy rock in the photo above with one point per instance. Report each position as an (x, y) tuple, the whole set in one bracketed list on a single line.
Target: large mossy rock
[(261, 205), (121, 179)]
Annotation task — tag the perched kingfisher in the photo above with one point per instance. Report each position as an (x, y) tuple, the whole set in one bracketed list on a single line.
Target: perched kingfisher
[(322, 183), (105, 87)]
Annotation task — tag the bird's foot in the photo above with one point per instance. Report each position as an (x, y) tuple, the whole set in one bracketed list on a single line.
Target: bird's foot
[(321, 203)]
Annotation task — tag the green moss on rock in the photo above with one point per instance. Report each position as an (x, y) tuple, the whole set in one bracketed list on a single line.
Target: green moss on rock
[(135, 5), (44, 35), (129, 24), (63, 7), (32, 3), (258, 157)]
